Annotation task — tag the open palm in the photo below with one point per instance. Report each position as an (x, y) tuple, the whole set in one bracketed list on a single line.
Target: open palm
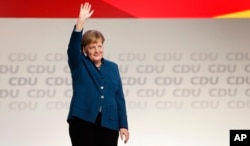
[(85, 11)]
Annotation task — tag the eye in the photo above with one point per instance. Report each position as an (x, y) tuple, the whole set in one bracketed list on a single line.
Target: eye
[(91, 47)]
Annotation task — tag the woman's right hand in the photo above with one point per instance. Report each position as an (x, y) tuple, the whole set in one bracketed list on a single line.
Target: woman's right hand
[(84, 14)]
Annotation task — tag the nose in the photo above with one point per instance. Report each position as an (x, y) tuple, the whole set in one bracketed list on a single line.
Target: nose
[(96, 49)]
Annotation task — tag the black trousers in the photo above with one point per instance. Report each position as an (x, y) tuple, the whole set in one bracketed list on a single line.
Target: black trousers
[(83, 133)]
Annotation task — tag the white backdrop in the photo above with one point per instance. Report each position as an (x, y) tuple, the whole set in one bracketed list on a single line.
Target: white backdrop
[(186, 81)]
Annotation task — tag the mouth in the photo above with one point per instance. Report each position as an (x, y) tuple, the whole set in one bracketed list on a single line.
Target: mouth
[(97, 56)]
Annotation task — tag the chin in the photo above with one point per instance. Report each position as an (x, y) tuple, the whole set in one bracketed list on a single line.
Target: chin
[(97, 59)]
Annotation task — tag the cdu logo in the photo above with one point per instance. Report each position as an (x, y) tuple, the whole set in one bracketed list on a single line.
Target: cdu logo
[(239, 137)]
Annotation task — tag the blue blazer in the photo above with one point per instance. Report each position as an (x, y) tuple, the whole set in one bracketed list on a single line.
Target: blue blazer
[(94, 88)]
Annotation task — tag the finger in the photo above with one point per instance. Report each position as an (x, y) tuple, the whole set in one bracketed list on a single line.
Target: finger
[(85, 5), (121, 135), (81, 6), (126, 138), (91, 12), (88, 6)]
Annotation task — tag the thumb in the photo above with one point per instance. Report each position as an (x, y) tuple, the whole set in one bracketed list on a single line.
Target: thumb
[(121, 135)]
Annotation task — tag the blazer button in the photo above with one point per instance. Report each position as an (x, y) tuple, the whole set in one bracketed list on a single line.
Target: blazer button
[(102, 87), (102, 97)]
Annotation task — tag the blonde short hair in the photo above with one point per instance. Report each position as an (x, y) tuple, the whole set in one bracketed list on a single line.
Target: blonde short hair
[(91, 36)]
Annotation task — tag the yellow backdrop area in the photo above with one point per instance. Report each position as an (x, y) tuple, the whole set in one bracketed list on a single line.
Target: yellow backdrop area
[(242, 14)]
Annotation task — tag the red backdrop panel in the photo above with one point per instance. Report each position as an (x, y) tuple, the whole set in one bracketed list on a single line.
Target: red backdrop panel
[(122, 8)]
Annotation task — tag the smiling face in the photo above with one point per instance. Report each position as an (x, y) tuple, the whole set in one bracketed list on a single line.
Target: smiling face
[(95, 52), (92, 46)]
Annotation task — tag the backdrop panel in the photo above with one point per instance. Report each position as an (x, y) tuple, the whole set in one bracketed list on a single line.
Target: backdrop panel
[(186, 81)]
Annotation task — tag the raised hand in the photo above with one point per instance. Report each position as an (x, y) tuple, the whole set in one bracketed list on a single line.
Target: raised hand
[(84, 14), (85, 11)]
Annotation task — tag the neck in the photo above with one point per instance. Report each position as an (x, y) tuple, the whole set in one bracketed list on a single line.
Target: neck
[(98, 64)]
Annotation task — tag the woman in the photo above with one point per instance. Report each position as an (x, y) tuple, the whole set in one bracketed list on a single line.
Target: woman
[(97, 113)]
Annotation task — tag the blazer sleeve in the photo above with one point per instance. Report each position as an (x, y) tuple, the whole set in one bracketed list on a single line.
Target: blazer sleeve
[(123, 122), (74, 49)]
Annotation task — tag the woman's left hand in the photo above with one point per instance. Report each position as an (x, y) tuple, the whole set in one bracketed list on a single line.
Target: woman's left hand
[(124, 134)]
